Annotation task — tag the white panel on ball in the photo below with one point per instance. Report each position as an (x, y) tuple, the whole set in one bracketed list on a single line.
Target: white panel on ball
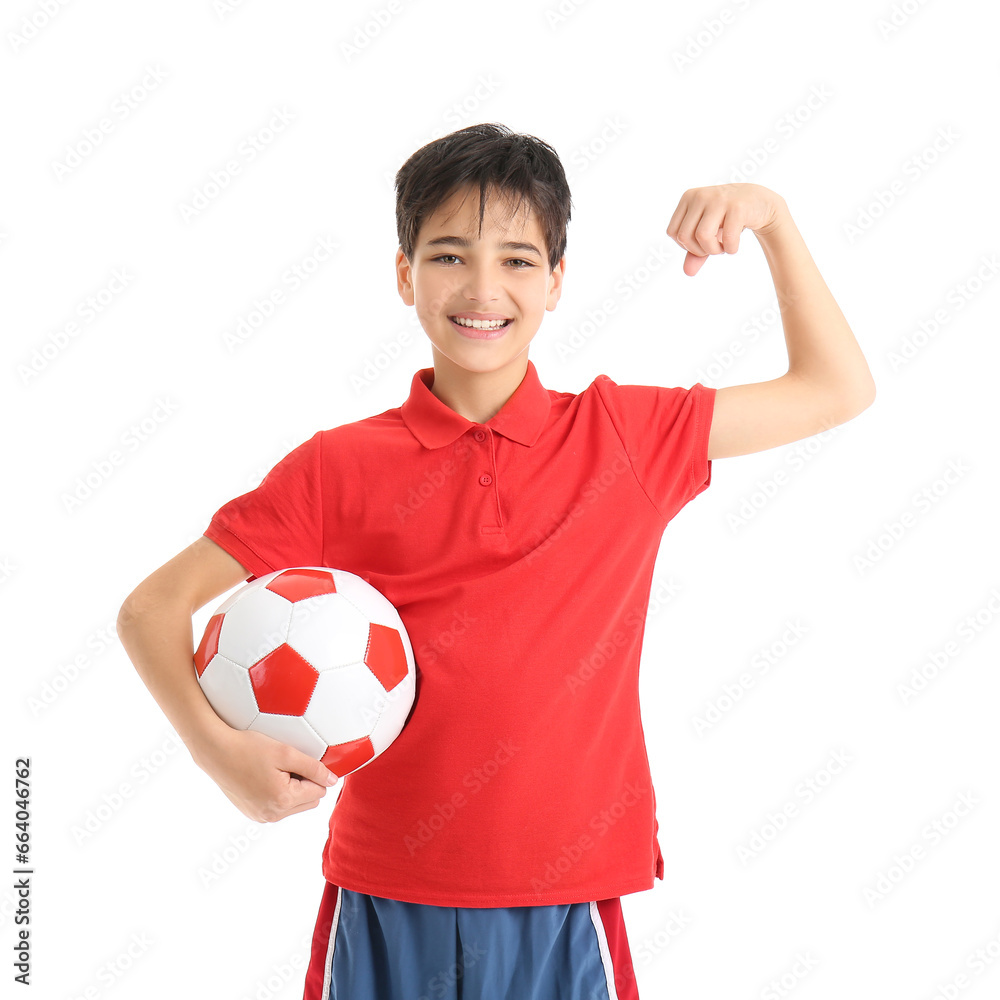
[(397, 705), (227, 687), (328, 631), (254, 626), (341, 705), (261, 581), (374, 605), (291, 729)]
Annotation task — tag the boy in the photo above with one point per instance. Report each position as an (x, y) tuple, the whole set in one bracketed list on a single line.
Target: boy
[(514, 528)]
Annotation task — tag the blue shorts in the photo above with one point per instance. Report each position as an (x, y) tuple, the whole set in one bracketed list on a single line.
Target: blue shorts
[(370, 948)]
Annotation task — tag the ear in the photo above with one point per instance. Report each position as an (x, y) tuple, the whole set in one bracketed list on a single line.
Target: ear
[(555, 284), (404, 284)]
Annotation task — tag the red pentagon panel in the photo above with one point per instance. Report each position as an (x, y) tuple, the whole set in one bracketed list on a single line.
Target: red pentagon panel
[(346, 757), (385, 656), (283, 681), (209, 645), (298, 584)]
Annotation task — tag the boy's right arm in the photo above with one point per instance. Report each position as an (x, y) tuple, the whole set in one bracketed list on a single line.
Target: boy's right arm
[(259, 775)]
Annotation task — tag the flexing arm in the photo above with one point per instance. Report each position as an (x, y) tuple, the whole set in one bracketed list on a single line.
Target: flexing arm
[(828, 381)]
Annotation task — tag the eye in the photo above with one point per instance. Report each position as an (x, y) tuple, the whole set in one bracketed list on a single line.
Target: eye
[(517, 260)]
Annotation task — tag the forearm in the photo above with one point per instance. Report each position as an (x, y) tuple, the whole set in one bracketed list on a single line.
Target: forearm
[(821, 346), (160, 644)]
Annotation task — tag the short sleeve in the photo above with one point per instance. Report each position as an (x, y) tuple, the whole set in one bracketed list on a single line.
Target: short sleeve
[(665, 434), (280, 523)]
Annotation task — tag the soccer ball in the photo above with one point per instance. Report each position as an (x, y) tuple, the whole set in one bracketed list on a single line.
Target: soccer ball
[(314, 657)]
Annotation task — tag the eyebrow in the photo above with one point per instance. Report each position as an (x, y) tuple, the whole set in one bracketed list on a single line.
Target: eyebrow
[(460, 241)]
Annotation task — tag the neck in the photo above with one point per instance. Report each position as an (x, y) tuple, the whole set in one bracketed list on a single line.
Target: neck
[(477, 396)]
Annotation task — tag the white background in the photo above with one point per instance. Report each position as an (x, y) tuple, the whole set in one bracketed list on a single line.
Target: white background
[(831, 107)]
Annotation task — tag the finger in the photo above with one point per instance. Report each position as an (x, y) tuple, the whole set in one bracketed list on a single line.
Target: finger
[(730, 235), (316, 770), (709, 229), (299, 787), (686, 231), (298, 781), (295, 791), (306, 768), (287, 810), (674, 225), (304, 807), (682, 223)]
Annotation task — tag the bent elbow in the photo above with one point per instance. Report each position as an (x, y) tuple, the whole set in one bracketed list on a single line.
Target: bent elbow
[(127, 614)]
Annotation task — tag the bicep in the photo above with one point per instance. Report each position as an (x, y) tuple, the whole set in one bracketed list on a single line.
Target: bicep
[(194, 576), (761, 415)]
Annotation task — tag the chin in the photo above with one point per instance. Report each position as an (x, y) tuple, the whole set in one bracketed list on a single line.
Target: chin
[(481, 364), (484, 365)]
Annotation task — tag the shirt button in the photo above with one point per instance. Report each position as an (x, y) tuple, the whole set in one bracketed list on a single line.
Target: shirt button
[(486, 479), (480, 435)]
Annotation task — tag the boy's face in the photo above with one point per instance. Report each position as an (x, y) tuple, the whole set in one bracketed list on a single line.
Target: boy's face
[(446, 278)]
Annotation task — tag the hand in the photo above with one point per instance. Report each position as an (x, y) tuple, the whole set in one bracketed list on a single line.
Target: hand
[(709, 220), (265, 779)]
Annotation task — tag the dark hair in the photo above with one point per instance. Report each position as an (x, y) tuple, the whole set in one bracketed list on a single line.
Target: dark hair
[(499, 161)]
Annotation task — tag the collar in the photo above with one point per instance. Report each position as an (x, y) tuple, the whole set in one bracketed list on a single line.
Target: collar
[(435, 424)]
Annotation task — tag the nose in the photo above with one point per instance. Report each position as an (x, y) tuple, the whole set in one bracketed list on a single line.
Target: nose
[(480, 285)]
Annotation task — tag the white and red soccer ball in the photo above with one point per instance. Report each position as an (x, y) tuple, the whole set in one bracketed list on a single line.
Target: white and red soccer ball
[(313, 657)]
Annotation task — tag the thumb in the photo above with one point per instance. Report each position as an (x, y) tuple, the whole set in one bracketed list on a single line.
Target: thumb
[(314, 770), (693, 263)]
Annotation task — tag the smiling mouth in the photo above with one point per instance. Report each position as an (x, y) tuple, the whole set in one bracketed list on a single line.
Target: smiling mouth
[(482, 325), (481, 333)]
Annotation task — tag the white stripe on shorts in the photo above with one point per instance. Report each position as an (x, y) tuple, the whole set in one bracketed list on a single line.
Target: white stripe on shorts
[(602, 939), (328, 971)]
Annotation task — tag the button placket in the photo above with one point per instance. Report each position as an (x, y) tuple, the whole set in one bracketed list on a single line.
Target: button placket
[(489, 478)]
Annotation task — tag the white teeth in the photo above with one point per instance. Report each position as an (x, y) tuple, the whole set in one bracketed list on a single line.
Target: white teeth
[(478, 324)]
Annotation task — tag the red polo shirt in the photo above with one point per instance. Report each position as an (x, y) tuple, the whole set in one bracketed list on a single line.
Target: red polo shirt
[(519, 554)]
